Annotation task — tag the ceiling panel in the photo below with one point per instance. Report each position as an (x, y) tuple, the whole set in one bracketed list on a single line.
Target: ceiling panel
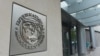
[(88, 13), (71, 1), (91, 19), (85, 4)]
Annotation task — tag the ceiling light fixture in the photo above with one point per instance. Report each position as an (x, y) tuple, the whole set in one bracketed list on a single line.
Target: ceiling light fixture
[(64, 4), (98, 6)]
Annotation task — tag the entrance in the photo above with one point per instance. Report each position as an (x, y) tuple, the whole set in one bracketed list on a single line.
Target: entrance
[(69, 41), (69, 37)]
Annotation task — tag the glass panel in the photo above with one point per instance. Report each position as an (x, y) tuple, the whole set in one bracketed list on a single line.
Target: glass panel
[(74, 40), (66, 45)]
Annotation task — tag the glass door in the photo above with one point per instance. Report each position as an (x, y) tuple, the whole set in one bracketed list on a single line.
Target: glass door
[(65, 38), (74, 41)]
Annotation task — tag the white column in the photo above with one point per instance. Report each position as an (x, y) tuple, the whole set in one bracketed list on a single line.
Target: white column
[(92, 33), (83, 41), (81, 35)]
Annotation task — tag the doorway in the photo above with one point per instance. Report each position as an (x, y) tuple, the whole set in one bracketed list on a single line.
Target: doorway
[(69, 37)]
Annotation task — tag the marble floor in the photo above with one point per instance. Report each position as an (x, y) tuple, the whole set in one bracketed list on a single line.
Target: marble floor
[(96, 52)]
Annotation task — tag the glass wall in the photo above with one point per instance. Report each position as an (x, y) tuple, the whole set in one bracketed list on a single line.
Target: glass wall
[(65, 38), (69, 41), (74, 40)]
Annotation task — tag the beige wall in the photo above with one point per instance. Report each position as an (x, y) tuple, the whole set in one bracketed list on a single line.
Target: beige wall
[(51, 8)]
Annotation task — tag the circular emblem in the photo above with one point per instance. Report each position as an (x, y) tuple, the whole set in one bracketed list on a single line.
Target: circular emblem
[(29, 31)]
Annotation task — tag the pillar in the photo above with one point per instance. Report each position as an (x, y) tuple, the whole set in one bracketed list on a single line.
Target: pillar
[(81, 41), (92, 37)]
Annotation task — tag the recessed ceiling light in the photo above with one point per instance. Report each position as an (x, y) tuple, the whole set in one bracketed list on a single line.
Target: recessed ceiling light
[(98, 6), (73, 14), (64, 4)]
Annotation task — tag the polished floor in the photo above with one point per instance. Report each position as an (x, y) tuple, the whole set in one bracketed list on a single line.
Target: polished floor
[(96, 52)]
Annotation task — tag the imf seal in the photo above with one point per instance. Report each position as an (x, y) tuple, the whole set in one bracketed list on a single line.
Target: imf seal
[(29, 31)]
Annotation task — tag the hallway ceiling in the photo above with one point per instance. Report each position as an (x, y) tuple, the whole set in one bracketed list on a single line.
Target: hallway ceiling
[(68, 20), (85, 11)]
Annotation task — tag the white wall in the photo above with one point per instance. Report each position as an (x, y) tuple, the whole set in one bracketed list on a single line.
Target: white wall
[(51, 8), (97, 28), (97, 37)]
